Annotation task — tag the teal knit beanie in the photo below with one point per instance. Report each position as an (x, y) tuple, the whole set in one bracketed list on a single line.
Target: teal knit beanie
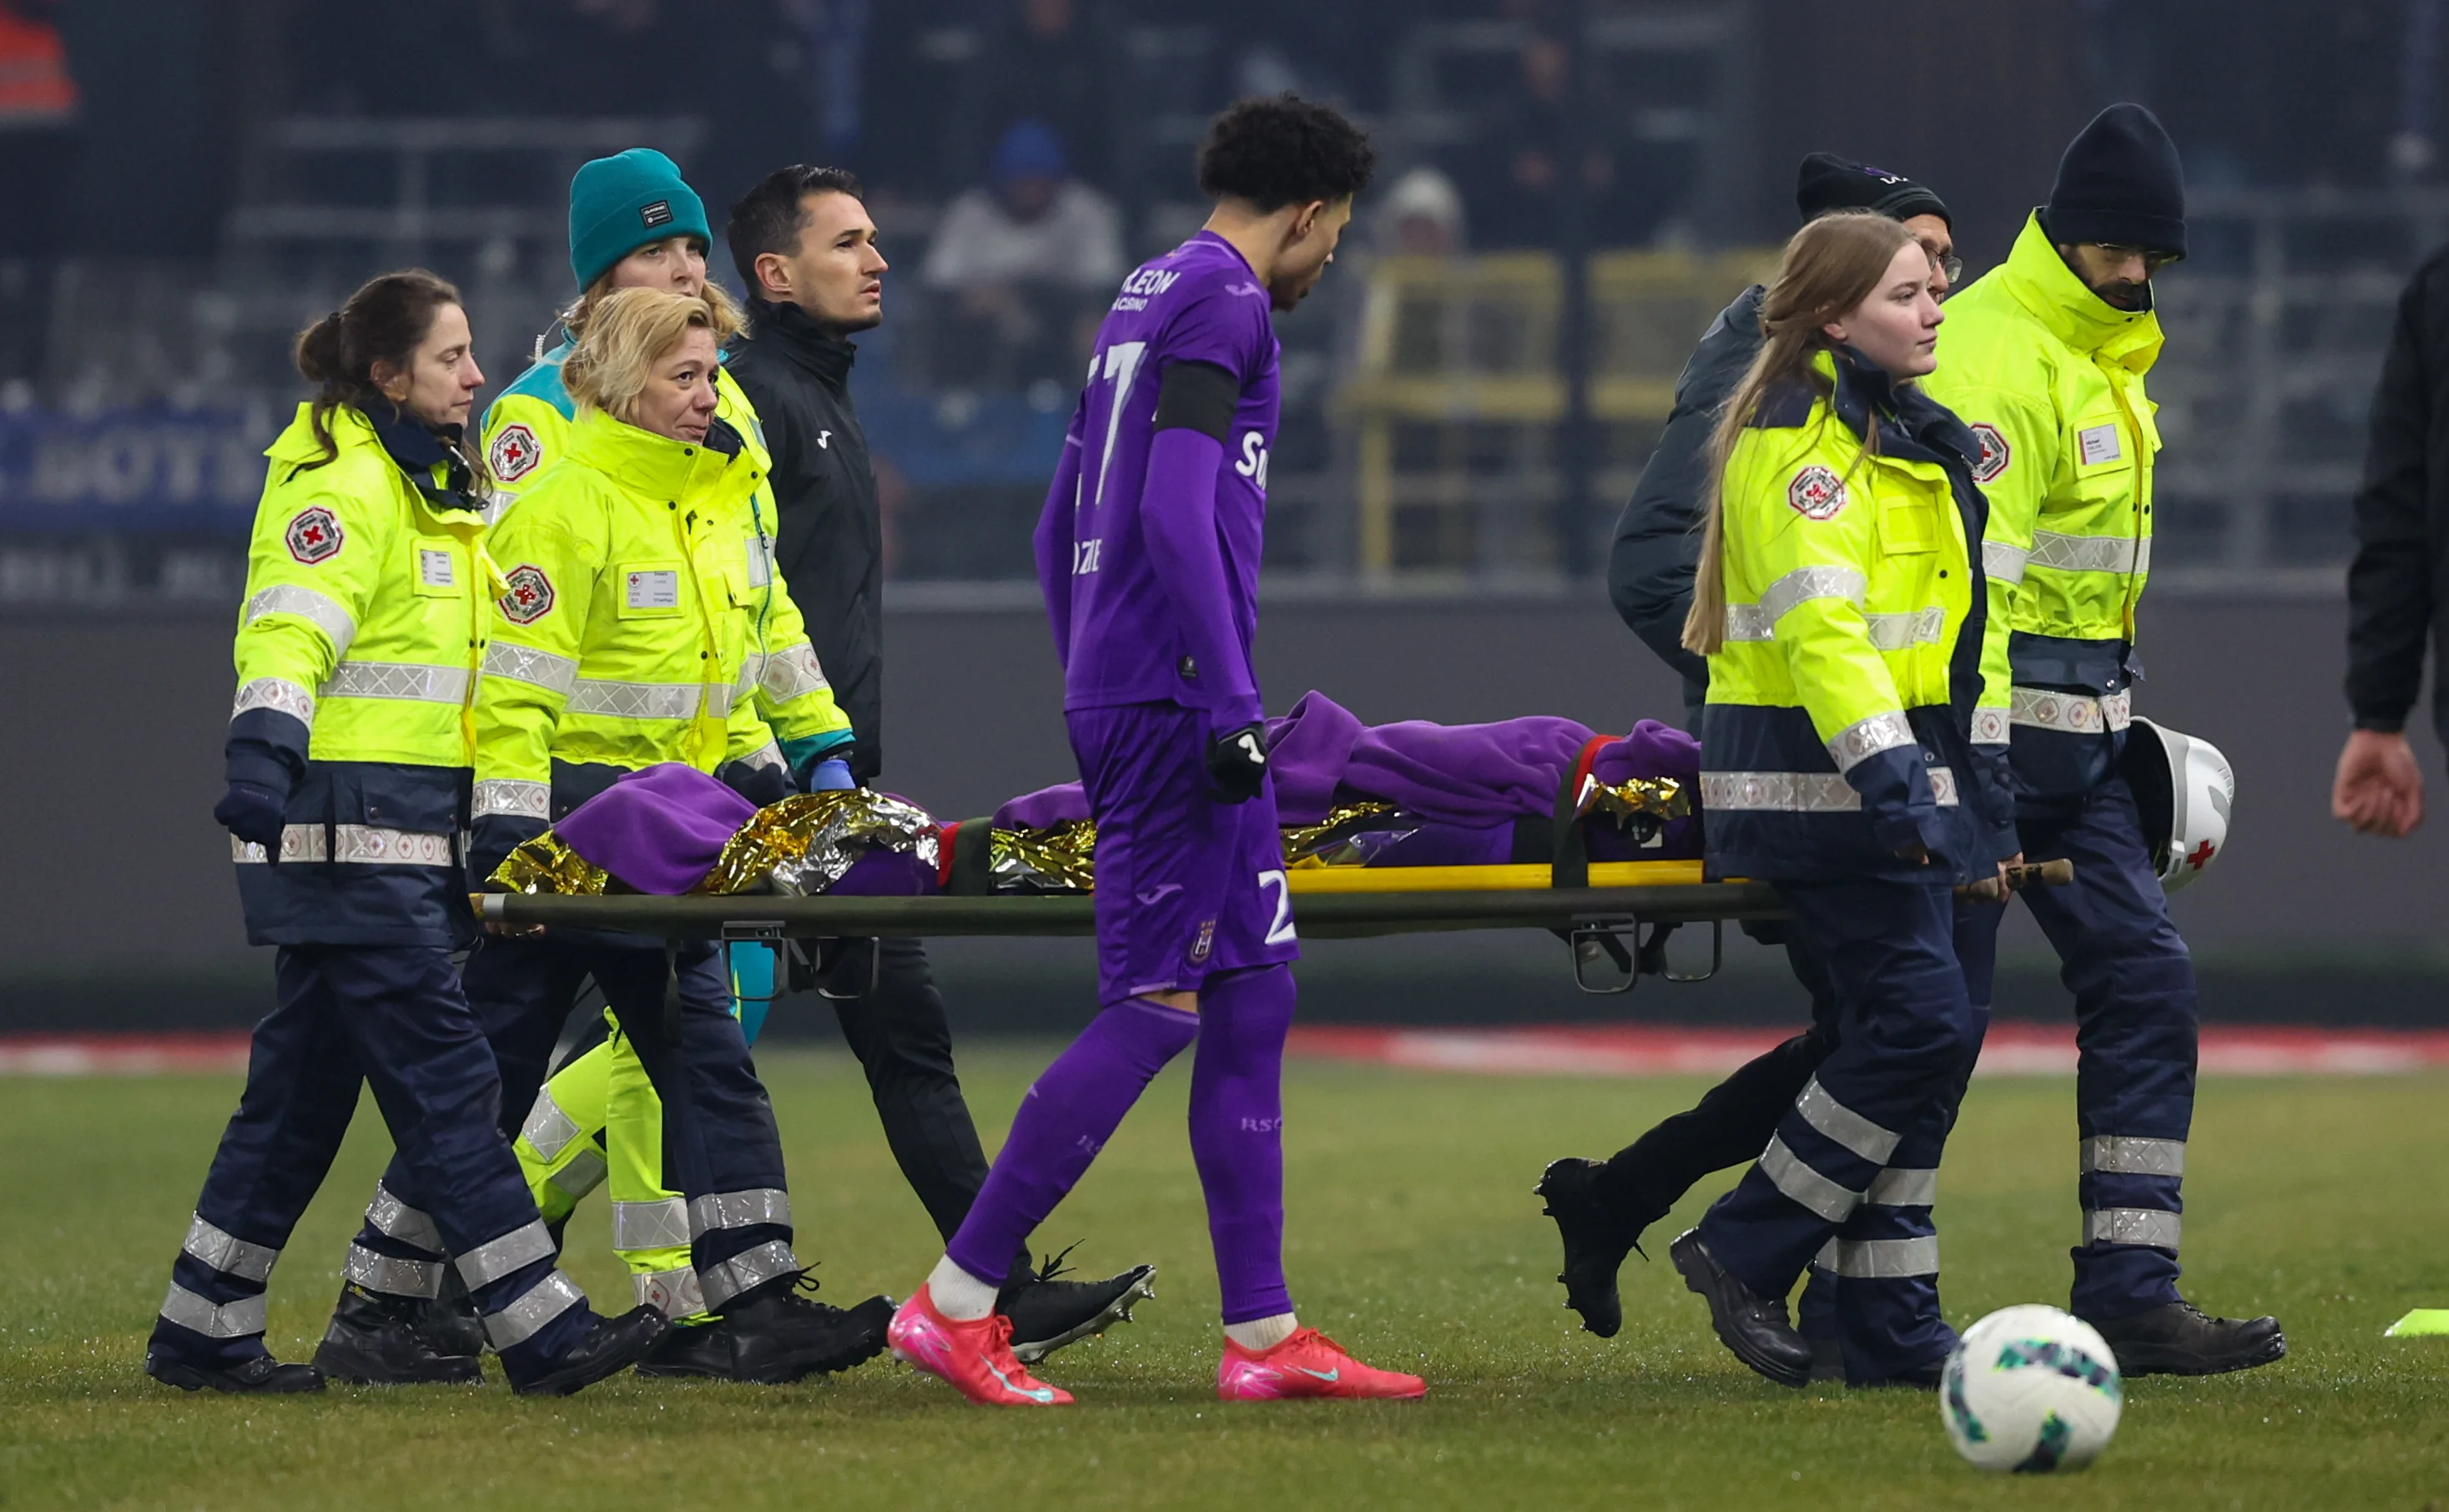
[(618, 204)]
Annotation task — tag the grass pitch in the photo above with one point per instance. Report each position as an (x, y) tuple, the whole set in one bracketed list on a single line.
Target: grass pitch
[(1413, 1237)]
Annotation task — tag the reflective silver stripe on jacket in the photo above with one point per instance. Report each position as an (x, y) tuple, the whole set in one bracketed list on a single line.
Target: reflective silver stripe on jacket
[(393, 1275), (1866, 738), (769, 754), (1879, 1259), (595, 695), (1991, 726), (663, 1224), (1789, 1174), (674, 1293), (513, 796), (548, 1129), (2126, 1155), (231, 1320), (1843, 1124), (2003, 562), (792, 671), (2148, 1225), (2075, 714), (1802, 792), (275, 693), (535, 1307), (524, 664), (1903, 1186), (2089, 553), (415, 682), (351, 846), (228, 1253), (738, 1210), (496, 1258), (400, 1221), (1918, 627), (745, 1272), (1758, 622), (339, 625), (585, 1173)]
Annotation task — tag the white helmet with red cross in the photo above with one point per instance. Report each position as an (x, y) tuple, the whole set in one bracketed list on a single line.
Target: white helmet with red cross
[(2185, 789)]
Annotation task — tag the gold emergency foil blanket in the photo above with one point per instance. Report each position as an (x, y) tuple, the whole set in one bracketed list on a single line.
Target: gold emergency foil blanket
[(1656, 799), (1351, 835), (545, 864), (1061, 859), (806, 842)]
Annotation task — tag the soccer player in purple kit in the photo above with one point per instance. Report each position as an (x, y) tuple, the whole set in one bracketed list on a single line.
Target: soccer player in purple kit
[(1149, 553)]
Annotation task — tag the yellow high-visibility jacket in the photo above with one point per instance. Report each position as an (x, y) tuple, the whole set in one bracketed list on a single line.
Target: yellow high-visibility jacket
[(2050, 377), (365, 621), (636, 591), (1862, 665)]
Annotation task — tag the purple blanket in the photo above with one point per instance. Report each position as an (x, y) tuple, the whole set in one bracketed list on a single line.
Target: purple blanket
[(658, 830)]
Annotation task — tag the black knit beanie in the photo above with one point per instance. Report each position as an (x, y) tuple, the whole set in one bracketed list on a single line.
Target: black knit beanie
[(2120, 184), (1826, 181)]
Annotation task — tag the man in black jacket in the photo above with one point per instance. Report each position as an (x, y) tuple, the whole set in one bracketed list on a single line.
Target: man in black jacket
[(1602, 1206), (804, 245), (2401, 567)]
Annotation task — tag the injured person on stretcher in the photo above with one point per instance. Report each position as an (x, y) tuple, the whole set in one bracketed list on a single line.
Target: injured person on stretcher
[(1404, 795)]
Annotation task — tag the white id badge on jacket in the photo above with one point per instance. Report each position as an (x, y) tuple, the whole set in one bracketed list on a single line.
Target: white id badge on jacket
[(653, 590), (760, 562), (2099, 443)]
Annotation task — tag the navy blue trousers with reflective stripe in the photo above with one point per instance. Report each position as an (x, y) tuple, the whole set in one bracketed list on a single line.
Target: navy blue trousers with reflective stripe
[(392, 1017), (719, 1134), (1907, 1037), (2136, 1020)]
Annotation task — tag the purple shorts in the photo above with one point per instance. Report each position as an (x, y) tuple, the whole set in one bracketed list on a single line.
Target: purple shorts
[(1186, 888)]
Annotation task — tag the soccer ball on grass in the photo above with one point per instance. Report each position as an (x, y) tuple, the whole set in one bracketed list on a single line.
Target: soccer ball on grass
[(2031, 1389)]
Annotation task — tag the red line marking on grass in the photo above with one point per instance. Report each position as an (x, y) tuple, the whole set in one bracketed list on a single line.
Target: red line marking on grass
[(122, 1054)]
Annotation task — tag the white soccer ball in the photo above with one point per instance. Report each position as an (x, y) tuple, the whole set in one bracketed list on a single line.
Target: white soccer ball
[(2030, 1390)]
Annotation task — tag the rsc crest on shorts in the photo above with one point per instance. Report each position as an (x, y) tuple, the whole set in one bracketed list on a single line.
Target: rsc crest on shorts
[(1816, 492), (315, 536)]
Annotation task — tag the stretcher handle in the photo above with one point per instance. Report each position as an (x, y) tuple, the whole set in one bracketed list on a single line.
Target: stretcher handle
[(2036, 873)]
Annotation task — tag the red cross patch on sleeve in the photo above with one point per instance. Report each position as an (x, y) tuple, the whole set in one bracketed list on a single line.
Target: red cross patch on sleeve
[(1816, 492), (315, 536), (529, 597), (513, 454), (1995, 453)]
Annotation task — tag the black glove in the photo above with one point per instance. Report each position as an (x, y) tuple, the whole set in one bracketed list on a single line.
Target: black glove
[(1237, 763), (253, 813)]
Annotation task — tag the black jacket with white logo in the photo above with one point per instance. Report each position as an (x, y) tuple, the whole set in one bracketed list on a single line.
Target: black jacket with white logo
[(830, 543)]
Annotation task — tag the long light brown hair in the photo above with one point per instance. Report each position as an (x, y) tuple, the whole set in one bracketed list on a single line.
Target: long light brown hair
[(1830, 266)]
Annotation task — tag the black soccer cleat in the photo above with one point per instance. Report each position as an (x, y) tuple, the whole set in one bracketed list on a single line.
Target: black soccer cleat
[(779, 1336), (1596, 1241), (263, 1375), (692, 1350), (374, 1340), (611, 1347), (2177, 1339), (1048, 1314), (1753, 1328)]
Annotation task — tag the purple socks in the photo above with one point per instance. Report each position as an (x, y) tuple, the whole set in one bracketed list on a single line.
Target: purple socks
[(1237, 1121), (1236, 1131), (1071, 1111)]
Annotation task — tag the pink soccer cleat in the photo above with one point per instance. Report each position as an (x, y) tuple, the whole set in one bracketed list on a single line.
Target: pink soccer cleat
[(1308, 1365), (976, 1357)]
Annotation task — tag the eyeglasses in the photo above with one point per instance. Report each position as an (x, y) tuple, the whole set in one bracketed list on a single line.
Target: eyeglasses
[(1952, 265), (2152, 262)]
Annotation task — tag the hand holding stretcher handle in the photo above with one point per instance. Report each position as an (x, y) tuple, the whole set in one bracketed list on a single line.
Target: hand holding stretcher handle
[(1990, 889)]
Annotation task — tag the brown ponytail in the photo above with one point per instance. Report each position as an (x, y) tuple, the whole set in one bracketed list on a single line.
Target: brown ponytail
[(1830, 266), (384, 323)]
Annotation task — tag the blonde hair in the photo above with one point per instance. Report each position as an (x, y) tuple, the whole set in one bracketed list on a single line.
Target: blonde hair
[(729, 320), (1830, 266), (631, 332)]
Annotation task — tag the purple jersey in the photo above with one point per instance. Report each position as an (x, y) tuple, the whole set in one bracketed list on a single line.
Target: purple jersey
[(1199, 302)]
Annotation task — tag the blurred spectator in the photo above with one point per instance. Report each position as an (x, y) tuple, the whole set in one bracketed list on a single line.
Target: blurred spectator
[(1044, 64), (1530, 152), (1421, 215), (1029, 260)]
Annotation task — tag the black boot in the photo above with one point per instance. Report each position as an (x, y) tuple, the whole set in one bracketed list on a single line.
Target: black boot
[(1754, 1329), (449, 1324), (699, 1350), (1046, 1314), (263, 1373), (608, 1348), (2176, 1339), (779, 1336), (1596, 1240), (375, 1340)]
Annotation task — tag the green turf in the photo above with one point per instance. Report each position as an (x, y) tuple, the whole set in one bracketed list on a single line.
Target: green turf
[(1413, 1237)]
